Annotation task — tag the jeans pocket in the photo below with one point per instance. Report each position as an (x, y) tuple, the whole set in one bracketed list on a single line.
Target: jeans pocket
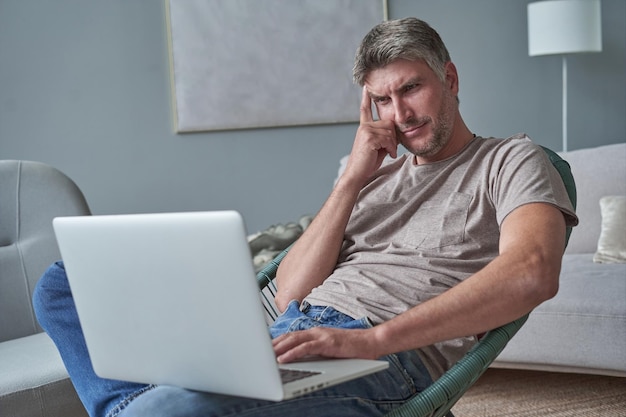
[(283, 323)]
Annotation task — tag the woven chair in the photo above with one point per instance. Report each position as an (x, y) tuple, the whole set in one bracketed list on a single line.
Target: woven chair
[(438, 399)]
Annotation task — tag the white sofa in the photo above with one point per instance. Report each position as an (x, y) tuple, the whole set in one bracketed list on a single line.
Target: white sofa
[(583, 328)]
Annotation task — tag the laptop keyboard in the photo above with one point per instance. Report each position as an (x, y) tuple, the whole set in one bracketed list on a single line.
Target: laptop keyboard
[(290, 375)]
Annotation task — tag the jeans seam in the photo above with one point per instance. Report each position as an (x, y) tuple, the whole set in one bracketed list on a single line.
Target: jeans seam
[(119, 407), (322, 315), (294, 325), (393, 359)]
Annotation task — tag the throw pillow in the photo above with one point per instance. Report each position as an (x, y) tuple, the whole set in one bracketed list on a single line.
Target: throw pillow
[(267, 244), (612, 242)]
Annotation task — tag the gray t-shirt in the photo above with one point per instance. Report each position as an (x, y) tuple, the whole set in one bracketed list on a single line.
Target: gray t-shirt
[(418, 230)]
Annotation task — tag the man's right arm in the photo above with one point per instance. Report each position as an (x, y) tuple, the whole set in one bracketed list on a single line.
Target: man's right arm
[(314, 255)]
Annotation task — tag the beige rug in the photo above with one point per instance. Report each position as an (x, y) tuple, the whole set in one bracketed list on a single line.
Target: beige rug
[(517, 393)]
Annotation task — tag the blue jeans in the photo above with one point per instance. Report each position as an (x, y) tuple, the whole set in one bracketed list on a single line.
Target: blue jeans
[(373, 395)]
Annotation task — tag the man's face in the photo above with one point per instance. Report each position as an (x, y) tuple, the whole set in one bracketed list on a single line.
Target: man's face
[(422, 107)]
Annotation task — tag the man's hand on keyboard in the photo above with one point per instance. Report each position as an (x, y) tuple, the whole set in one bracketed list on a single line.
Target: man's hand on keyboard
[(326, 342)]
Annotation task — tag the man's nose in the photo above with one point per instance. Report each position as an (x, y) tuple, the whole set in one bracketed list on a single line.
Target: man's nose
[(403, 113)]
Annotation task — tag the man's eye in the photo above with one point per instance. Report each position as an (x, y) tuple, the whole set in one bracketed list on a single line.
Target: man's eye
[(381, 100)]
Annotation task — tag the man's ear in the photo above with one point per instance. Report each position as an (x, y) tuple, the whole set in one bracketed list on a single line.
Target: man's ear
[(452, 78)]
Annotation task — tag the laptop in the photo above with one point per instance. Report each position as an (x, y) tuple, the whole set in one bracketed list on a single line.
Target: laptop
[(172, 299)]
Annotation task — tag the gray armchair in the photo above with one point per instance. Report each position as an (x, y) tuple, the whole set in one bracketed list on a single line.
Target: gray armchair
[(33, 380)]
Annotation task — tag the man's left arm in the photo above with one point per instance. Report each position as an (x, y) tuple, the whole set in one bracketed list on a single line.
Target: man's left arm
[(522, 276)]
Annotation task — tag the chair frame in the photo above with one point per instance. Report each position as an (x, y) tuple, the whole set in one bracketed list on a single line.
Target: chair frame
[(439, 397)]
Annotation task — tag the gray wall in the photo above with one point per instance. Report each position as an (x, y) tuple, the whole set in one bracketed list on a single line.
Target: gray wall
[(84, 86)]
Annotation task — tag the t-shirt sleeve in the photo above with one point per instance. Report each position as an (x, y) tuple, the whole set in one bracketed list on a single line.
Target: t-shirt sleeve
[(523, 174)]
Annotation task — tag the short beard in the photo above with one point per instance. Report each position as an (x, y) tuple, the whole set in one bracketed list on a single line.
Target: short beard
[(442, 129)]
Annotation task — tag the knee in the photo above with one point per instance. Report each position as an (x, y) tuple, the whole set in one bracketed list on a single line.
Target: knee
[(49, 292)]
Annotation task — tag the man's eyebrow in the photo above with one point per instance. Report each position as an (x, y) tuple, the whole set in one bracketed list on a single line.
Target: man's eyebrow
[(374, 96), (415, 80), (410, 82), (418, 79)]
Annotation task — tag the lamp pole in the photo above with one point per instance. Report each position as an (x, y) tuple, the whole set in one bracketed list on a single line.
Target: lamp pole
[(561, 27), (564, 121)]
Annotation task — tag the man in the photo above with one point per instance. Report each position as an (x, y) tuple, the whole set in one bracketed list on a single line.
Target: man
[(407, 260)]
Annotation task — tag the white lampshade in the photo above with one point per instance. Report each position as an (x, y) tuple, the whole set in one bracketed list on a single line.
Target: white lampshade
[(564, 26)]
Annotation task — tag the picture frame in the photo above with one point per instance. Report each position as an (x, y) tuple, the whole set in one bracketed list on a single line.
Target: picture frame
[(242, 64)]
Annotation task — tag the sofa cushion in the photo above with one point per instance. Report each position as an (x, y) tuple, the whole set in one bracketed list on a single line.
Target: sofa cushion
[(582, 327), (598, 172), (612, 243), (34, 381)]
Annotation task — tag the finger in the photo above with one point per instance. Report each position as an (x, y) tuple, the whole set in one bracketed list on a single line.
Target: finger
[(290, 340), (292, 347), (284, 343), (366, 108), (391, 145), (298, 352), (385, 139)]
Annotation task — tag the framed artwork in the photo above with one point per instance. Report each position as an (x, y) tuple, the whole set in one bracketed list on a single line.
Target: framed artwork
[(239, 64)]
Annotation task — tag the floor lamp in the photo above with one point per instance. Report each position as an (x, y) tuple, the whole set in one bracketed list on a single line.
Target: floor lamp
[(561, 27)]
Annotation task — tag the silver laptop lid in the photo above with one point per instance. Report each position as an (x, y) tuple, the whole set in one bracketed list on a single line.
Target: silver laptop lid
[(146, 288)]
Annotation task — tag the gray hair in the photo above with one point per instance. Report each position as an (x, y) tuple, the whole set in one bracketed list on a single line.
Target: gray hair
[(410, 38)]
